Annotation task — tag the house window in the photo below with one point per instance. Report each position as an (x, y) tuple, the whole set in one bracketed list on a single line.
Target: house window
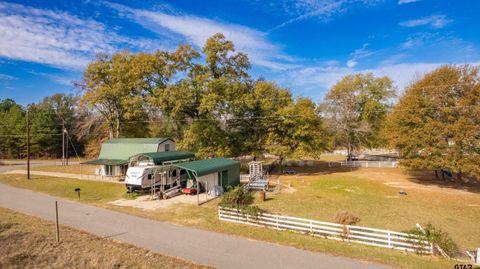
[(108, 170), (167, 147), (149, 176)]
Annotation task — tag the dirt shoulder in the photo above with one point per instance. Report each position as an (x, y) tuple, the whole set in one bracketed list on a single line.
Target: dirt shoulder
[(29, 242)]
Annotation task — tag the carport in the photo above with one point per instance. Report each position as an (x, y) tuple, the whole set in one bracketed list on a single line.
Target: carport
[(160, 158), (212, 172)]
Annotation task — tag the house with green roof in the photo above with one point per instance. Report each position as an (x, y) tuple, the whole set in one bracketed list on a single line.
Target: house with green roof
[(115, 153)]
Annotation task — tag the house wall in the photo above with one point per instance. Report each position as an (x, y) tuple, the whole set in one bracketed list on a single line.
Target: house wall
[(116, 170), (161, 147)]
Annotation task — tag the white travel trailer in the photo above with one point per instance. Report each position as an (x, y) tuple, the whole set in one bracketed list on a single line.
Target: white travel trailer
[(163, 177), (154, 169)]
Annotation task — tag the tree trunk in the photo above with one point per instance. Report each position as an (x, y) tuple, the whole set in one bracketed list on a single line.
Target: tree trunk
[(461, 179), (436, 173), (443, 174), (349, 150), (117, 127), (281, 164)]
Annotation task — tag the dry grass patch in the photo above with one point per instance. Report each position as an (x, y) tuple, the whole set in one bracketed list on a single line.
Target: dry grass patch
[(29, 242), (70, 169)]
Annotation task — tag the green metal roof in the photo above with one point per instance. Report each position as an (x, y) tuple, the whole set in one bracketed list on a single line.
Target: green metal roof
[(160, 157), (106, 162), (205, 167), (124, 148), (136, 140)]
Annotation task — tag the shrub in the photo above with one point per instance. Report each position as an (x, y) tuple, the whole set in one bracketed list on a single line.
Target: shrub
[(240, 199), (235, 197), (437, 237), (346, 218)]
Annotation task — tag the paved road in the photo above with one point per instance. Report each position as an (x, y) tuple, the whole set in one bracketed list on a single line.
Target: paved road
[(66, 175), (195, 245), (12, 165)]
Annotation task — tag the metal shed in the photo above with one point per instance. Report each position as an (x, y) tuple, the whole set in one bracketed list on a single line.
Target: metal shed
[(228, 170), (161, 158)]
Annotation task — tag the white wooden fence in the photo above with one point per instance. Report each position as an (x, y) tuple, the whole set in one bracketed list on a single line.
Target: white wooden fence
[(348, 233), (372, 164)]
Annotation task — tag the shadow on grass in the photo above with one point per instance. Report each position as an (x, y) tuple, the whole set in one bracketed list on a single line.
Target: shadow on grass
[(318, 168), (428, 178)]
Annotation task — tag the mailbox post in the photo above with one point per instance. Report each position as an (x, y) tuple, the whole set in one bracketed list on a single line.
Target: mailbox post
[(77, 190)]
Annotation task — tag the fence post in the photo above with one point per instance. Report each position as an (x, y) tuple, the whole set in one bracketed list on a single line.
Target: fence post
[(276, 216), (389, 240), (311, 227)]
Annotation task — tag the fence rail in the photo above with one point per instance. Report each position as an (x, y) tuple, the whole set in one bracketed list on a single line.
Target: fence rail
[(373, 164), (348, 233)]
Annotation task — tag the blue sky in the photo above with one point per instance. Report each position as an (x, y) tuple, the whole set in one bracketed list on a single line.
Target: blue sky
[(304, 45)]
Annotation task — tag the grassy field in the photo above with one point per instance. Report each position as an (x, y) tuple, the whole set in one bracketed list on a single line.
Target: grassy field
[(378, 203), (70, 169), (93, 192), (332, 157), (29, 242), (318, 196)]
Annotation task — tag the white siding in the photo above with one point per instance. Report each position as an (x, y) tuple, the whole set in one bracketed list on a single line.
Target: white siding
[(161, 147)]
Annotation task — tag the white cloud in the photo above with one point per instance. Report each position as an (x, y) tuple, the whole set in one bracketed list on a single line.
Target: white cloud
[(54, 38), (435, 21), (6, 77), (358, 54), (402, 2), (320, 9), (315, 81), (198, 29), (351, 63)]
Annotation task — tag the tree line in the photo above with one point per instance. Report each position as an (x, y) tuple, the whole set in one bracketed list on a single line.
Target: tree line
[(210, 104)]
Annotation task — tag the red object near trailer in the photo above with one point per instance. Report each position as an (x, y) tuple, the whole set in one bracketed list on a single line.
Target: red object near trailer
[(189, 191)]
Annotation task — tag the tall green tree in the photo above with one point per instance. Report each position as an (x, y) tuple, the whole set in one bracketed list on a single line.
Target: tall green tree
[(296, 131), (356, 107), (12, 129), (435, 124)]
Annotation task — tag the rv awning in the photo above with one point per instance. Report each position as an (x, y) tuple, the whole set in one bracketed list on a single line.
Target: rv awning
[(205, 167), (106, 162)]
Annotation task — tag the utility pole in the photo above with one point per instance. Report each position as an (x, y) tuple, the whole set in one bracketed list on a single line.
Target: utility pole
[(63, 143), (66, 150), (28, 145)]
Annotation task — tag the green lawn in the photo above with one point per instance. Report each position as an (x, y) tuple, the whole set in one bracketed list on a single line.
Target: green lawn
[(318, 197), (380, 206), (332, 157), (91, 192), (84, 169)]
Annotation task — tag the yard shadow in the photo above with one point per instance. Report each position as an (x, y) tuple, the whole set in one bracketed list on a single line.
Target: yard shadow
[(316, 168), (428, 178)]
